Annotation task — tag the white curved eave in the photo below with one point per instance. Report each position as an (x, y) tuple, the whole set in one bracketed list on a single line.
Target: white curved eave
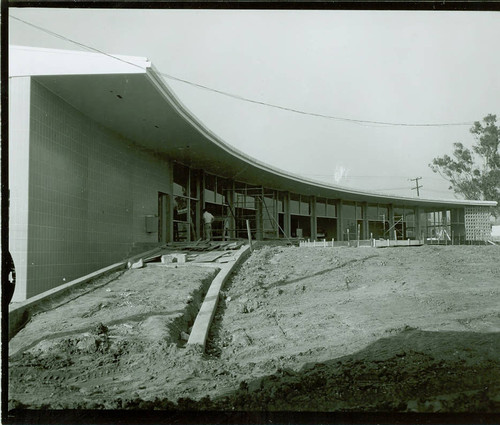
[(37, 61), (189, 117), (66, 72)]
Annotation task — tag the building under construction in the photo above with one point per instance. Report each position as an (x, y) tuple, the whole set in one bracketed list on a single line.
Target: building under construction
[(104, 157)]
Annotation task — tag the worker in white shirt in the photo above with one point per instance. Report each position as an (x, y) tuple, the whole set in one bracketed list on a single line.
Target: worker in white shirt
[(207, 222)]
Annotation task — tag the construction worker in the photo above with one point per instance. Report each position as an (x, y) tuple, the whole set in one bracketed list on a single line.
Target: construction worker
[(207, 222)]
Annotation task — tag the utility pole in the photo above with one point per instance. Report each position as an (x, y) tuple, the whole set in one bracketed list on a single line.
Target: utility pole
[(417, 186)]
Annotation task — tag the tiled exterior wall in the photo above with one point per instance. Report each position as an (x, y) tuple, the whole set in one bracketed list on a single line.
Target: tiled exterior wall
[(89, 192), (19, 124)]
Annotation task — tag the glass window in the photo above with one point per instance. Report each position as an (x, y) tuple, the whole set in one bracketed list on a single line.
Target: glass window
[(209, 188), (192, 184), (410, 216), (180, 208), (383, 213), (250, 202), (372, 213), (253, 193), (269, 203), (331, 208), (438, 217), (398, 212), (430, 218), (304, 205), (294, 203), (239, 200), (321, 207), (348, 211), (222, 185), (181, 179), (281, 202), (359, 212)]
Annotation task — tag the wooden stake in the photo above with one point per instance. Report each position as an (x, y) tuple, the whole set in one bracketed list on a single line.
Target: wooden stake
[(249, 235)]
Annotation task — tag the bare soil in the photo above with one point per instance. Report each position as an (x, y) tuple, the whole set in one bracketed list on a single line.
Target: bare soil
[(411, 329)]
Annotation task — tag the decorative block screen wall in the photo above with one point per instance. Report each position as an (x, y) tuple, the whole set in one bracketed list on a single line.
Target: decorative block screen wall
[(477, 223)]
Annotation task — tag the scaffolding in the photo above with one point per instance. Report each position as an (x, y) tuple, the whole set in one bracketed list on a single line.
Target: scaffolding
[(249, 210)]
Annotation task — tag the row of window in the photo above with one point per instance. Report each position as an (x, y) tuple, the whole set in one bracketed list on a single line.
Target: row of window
[(217, 191)]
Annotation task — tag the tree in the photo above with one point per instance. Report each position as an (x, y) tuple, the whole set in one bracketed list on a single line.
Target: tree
[(475, 173)]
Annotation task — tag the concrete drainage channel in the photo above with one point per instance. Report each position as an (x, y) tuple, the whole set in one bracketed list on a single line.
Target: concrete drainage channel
[(196, 333), (204, 318)]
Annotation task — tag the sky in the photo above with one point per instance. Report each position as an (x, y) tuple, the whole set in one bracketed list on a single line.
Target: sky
[(402, 67)]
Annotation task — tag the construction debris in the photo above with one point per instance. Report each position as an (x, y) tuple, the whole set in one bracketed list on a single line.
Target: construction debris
[(205, 245), (185, 252), (173, 258), (137, 265), (208, 257)]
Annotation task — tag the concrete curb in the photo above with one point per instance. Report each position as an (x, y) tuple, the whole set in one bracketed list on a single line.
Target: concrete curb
[(20, 313), (201, 326)]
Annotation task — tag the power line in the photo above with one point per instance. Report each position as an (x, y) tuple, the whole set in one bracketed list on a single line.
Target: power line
[(242, 98)]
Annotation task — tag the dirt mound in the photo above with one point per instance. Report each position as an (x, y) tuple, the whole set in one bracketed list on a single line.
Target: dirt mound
[(303, 329), (389, 375)]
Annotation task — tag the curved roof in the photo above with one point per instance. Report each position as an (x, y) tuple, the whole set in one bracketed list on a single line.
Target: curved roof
[(127, 95)]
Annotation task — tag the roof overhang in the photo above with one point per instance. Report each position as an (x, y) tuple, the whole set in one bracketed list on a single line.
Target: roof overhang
[(129, 97)]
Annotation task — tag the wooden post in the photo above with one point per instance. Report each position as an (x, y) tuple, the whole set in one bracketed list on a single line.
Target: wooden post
[(249, 235), (359, 229), (348, 242)]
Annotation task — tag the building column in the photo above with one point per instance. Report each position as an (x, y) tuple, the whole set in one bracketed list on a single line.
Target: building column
[(259, 223), (231, 212), (418, 224), (339, 221), (18, 168), (197, 175), (314, 223), (365, 233), (170, 224), (287, 220), (276, 213)]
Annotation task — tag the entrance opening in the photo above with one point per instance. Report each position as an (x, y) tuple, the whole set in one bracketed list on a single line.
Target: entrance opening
[(377, 229), (327, 228), (301, 226)]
